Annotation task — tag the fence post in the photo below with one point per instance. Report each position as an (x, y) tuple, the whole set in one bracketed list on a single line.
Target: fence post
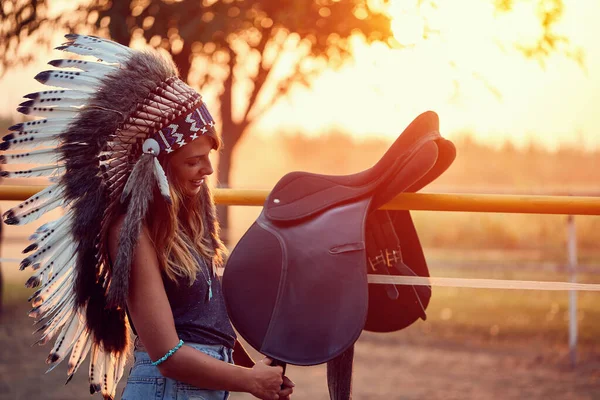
[(572, 254)]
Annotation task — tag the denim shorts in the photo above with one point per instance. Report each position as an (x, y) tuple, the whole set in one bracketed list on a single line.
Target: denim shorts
[(145, 381)]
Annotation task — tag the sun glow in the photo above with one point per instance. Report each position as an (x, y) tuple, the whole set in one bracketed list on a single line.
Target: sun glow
[(407, 24), (459, 58)]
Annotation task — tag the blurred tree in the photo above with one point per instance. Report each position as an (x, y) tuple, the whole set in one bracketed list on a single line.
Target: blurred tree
[(4, 124), (259, 48)]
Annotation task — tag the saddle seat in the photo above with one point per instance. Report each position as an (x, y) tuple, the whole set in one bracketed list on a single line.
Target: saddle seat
[(300, 194)]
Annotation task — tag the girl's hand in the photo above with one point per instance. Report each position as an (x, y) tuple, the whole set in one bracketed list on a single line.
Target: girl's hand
[(267, 380), (286, 392)]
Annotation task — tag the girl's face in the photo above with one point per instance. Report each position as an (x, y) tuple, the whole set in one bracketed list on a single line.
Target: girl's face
[(190, 165)]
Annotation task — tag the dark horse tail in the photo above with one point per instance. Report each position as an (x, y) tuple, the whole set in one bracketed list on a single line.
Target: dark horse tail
[(339, 375)]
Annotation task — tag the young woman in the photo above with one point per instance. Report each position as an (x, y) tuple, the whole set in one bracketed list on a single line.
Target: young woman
[(174, 295), (127, 146)]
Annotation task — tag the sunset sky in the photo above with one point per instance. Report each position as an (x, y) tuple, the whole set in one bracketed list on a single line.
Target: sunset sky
[(471, 75)]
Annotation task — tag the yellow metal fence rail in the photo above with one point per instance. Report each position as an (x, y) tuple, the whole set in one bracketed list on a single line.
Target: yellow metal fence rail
[(496, 203)]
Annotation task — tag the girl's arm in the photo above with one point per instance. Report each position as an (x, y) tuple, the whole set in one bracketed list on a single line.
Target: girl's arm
[(151, 314)]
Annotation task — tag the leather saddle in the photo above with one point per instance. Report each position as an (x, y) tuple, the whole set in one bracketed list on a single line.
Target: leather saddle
[(295, 284)]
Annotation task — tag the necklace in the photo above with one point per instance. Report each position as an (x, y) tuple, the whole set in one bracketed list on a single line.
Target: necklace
[(207, 278)]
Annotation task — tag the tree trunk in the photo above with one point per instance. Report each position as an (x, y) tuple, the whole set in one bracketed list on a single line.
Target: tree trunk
[(182, 60), (223, 176), (232, 133)]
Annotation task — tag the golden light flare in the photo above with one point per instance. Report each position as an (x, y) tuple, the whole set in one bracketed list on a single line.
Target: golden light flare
[(408, 28)]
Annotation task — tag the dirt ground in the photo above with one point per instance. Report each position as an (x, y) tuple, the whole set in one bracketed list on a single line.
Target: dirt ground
[(403, 365)]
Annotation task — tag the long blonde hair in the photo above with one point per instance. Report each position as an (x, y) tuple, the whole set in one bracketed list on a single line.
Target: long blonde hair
[(178, 231)]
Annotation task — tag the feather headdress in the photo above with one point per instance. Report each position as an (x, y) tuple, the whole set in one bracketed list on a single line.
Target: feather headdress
[(98, 139)]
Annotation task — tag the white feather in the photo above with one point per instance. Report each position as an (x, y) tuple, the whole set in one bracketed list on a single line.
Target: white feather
[(65, 340), (57, 102), (65, 304), (60, 228), (51, 267), (51, 305), (80, 351), (45, 156), (121, 361), (69, 80), (48, 193), (52, 95), (48, 112), (51, 225), (32, 142), (106, 45), (83, 50), (47, 263), (41, 210), (53, 291), (161, 179), (53, 325), (84, 65), (108, 377), (53, 322), (49, 125), (51, 170), (46, 200), (96, 368)]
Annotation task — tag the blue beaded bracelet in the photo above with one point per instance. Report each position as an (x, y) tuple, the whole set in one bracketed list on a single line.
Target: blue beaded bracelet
[(169, 354)]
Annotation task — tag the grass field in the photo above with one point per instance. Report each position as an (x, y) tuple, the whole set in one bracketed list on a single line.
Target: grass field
[(475, 344)]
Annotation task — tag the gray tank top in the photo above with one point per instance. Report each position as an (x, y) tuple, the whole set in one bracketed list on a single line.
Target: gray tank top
[(199, 319)]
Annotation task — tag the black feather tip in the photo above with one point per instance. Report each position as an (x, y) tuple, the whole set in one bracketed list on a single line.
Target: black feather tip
[(25, 263), (24, 110), (4, 174), (33, 282), (42, 77), (55, 63), (52, 358), (32, 96), (16, 127), (72, 36), (27, 103), (35, 295), (11, 221), (69, 378), (4, 146), (95, 388), (10, 136), (31, 247)]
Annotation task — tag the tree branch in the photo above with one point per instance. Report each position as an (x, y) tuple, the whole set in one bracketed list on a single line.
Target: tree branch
[(261, 75)]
